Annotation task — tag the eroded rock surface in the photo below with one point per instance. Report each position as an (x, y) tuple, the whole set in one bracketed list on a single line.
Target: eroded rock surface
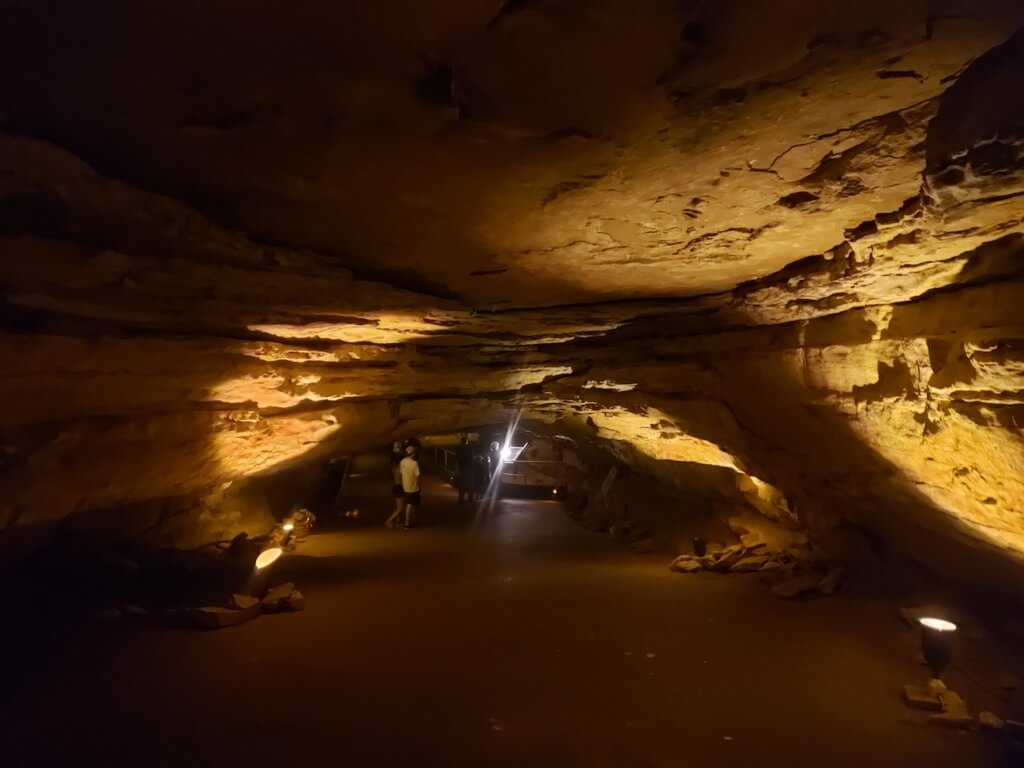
[(796, 259)]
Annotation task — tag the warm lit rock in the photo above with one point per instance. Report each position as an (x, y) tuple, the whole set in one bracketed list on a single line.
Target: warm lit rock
[(779, 272)]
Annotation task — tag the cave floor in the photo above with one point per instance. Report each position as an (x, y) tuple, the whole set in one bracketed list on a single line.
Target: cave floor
[(508, 637)]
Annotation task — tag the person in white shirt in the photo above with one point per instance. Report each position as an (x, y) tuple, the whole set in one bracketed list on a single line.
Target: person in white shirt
[(397, 454), (410, 470)]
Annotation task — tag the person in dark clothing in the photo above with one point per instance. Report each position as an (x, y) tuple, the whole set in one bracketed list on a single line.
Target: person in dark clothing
[(481, 476), (464, 468)]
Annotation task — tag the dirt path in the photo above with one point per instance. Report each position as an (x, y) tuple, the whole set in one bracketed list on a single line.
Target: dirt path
[(504, 639)]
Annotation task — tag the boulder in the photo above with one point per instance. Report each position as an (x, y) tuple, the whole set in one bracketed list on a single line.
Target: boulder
[(728, 559), (686, 564), (276, 599), (750, 564), (244, 602), (753, 542)]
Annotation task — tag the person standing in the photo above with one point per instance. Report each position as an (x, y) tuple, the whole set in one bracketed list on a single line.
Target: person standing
[(397, 491), (494, 458), (410, 470), (481, 476), (464, 460)]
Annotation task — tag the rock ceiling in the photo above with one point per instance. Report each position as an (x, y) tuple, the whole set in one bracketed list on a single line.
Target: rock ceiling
[(785, 238)]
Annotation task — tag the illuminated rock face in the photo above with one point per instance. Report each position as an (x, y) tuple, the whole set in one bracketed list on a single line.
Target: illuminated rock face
[(224, 259)]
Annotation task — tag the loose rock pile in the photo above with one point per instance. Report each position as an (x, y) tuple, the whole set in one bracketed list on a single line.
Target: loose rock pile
[(799, 571), (239, 610), (948, 708)]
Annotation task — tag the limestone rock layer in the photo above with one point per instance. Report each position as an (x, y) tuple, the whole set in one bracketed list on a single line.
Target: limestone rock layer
[(785, 244)]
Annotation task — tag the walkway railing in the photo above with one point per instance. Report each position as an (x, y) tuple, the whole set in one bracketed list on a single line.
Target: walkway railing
[(445, 460), (544, 473), (552, 474)]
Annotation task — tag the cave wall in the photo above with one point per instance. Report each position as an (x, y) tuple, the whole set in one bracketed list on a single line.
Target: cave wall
[(786, 269)]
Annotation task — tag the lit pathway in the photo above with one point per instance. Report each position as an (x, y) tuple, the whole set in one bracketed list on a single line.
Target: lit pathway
[(521, 641)]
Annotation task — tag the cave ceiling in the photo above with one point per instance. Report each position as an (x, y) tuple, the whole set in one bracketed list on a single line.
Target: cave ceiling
[(508, 154)]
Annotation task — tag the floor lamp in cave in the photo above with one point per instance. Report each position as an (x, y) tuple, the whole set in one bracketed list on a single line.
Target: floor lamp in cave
[(257, 582), (937, 636)]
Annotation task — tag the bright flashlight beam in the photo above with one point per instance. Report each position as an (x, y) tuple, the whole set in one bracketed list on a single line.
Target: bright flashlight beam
[(288, 527), (268, 557)]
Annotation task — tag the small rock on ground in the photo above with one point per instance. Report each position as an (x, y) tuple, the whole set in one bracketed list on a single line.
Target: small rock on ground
[(991, 721), (954, 711), (922, 697), (283, 597), (244, 602), (686, 564)]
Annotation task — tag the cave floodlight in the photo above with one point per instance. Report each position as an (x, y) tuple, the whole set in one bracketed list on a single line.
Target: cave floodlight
[(268, 557), (937, 637), (939, 625)]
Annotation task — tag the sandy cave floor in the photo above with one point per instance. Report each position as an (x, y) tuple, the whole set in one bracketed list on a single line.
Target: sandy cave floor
[(507, 637)]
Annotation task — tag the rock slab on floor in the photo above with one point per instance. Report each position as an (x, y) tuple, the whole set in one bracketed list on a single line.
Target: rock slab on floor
[(728, 559), (954, 711), (922, 697), (750, 564), (283, 597), (686, 564)]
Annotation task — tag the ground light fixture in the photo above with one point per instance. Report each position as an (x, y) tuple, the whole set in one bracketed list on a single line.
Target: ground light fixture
[(937, 636), (268, 557)]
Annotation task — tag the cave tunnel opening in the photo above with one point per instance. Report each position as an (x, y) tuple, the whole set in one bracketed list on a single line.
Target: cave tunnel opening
[(726, 306)]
